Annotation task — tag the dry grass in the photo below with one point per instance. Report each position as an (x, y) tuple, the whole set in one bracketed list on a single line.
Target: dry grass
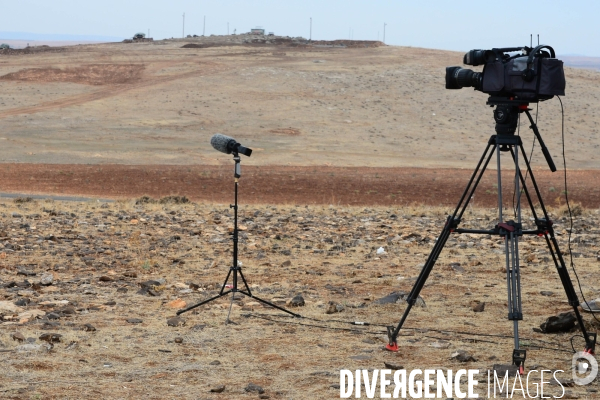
[(332, 257)]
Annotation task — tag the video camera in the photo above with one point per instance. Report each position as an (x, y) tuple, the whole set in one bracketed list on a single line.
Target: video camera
[(532, 75)]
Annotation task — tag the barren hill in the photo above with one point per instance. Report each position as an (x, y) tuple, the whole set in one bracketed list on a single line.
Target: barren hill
[(337, 104)]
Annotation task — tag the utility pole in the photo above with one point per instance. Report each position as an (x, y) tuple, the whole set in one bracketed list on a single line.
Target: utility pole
[(384, 25), (310, 34), (183, 29), (204, 26)]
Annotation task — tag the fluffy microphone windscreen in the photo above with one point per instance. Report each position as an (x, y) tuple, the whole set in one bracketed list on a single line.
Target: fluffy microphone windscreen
[(220, 143)]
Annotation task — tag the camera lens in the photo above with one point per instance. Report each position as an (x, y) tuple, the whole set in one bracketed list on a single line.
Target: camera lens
[(477, 57), (458, 78)]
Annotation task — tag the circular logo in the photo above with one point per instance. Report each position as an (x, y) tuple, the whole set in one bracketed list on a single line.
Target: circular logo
[(585, 368)]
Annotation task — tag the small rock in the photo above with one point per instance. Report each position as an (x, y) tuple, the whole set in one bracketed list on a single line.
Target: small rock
[(216, 362), (53, 315), (150, 284), (297, 301), (23, 271), (178, 340), (462, 356), (562, 322), (334, 308), (26, 272), (218, 389), (177, 304), (264, 396), (457, 268), (68, 310), (18, 337), (286, 263), (134, 321), (440, 345), (89, 328), (50, 337), (28, 347), (478, 306), (254, 388), (22, 302), (396, 297), (361, 357), (47, 279), (546, 293), (105, 278), (176, 321), (394, 367)]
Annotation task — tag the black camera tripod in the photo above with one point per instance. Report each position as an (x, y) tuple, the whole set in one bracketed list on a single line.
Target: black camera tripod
[(235, 269), (506, 116)]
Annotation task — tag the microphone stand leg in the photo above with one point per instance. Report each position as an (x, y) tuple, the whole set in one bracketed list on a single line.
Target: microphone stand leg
[(227, 321)]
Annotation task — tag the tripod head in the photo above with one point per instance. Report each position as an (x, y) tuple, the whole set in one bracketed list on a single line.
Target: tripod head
[(506, 115)]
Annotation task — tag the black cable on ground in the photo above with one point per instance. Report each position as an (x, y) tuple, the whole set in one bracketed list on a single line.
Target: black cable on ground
[(423, 330), (569, 207)]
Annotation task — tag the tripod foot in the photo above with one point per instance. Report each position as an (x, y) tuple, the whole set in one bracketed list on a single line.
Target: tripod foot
[(519, 357), (392, 347), (590, 346)]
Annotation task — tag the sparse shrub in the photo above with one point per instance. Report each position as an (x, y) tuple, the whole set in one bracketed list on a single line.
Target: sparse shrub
[(174, 200), (21, 200), (145, 200), (576, 210)]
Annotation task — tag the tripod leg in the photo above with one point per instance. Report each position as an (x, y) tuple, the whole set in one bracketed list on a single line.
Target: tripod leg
[(230, 307), (451, 223), (547, 229), (226, 280), (513, 280), (274, 306), (414, 293), (249, 294), (202, 302), (222, 293)]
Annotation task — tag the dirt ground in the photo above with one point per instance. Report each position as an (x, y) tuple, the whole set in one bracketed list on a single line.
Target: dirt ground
[(118, 271)]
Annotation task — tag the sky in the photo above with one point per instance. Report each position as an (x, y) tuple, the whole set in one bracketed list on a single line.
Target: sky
[(571, 27)]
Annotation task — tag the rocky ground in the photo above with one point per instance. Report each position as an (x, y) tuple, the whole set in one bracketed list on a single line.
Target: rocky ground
[(89, 293)]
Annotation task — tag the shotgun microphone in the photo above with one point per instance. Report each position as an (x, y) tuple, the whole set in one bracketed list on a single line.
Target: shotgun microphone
[(228, 145)]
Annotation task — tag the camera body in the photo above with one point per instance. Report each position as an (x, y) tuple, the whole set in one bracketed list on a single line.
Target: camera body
[(533, 75)]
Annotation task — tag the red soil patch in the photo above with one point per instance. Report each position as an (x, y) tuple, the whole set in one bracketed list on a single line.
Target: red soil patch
[(95, 74), (288, 185)]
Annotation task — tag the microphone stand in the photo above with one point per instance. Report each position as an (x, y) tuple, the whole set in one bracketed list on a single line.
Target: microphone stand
[(235, 270)]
